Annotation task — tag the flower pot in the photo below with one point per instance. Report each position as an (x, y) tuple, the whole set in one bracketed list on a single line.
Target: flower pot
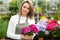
[(41, 38), (27, 37)]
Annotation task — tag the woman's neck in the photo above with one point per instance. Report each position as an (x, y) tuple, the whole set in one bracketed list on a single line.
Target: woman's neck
[(24, 15)]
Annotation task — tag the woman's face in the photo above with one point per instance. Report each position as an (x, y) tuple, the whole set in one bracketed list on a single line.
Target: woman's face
[(25, 9)]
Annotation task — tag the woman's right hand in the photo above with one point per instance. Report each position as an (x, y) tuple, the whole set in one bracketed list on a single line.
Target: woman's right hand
[(26, 37)]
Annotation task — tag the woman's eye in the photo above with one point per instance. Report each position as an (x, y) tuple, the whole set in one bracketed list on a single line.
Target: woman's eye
[(24, 6)]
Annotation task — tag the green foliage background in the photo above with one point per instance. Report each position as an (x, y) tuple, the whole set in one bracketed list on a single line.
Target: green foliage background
[(4, 19)]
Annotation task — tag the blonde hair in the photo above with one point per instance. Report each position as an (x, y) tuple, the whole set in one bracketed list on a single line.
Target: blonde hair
[(30, 14)]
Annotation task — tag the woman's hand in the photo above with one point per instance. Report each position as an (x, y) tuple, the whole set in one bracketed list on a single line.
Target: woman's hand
[(26, 37)]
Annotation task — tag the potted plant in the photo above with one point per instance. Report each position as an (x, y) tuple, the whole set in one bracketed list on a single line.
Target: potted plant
[(54, 29), (29, 30), (41, 35)]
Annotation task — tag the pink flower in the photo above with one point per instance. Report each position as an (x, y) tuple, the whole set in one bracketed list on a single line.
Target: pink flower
[(58, 25), (50, 27), (53, 21), (33, 28), (29, 30), (25, 30), (40, 14)]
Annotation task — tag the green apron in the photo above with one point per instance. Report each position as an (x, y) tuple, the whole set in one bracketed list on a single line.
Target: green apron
[(21, 25)]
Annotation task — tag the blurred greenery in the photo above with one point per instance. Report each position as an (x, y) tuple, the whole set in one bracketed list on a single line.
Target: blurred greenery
[(56, 16), (1, 2), (14, 6), (41, 34), (56, 33), (3, 28), (42, 5), (39, 10), (58, 5), (4, 19)]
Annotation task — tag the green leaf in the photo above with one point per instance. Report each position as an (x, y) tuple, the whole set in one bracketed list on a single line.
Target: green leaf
[(30, 33), (56, 16), (41, 34)]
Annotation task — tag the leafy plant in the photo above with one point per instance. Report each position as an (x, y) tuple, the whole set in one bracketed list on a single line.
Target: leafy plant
[(56, 33), (42, 5), (14, 5), (41, 34), (54, 28), (56, 16), (6, 18), (3, 28)]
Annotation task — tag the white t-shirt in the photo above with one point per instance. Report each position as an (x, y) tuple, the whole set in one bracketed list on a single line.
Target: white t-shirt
[(12, 26)]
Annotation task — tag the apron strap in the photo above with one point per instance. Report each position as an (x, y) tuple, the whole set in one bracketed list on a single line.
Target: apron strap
[(25, 21)]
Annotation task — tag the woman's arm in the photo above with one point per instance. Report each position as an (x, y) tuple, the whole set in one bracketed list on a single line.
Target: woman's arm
[(10, 32)]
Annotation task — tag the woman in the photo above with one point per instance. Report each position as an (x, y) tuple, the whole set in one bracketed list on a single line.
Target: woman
[(25, 15)]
